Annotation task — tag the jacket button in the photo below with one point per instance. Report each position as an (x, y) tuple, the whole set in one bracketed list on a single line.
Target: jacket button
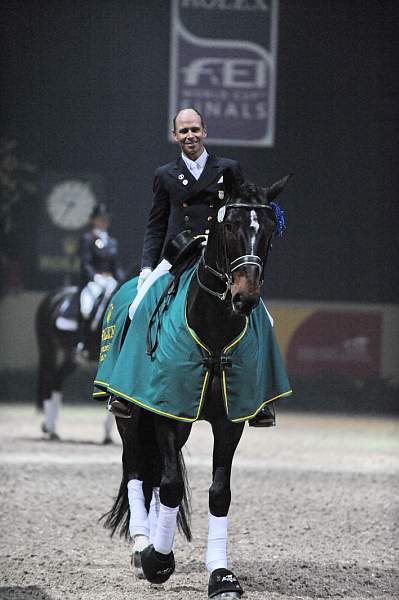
[(186, 218), (209, 218), (210, 206), (185, 204), (206, 231)]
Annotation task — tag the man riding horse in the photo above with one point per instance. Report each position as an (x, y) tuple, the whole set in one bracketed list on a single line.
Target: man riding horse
[(187, 194)]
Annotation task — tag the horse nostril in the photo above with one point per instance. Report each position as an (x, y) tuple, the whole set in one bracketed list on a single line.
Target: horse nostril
[(244, 304)]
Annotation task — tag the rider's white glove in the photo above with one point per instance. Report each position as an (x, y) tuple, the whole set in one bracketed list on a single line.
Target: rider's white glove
[(145, 273)]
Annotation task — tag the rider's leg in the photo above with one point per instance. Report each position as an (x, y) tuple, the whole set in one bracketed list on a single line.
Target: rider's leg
[(161, 269), (226, 438), (88, 297), (266, 416), (171, 437)]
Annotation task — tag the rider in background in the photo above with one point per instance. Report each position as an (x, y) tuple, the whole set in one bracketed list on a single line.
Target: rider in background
[(100, 273)]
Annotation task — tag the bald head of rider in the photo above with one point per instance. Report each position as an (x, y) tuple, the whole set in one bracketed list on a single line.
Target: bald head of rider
[(189, 131)]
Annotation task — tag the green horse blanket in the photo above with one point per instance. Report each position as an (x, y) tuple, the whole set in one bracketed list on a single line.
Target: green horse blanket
[(173, 381)]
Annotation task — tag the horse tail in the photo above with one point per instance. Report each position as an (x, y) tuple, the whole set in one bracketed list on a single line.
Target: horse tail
[(47, 350), (118, 517), (184, 514)]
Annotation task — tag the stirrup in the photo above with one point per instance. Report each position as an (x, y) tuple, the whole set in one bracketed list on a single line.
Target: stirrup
[(119, 408)]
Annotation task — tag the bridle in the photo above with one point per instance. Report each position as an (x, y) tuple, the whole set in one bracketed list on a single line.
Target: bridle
[(229, 267)]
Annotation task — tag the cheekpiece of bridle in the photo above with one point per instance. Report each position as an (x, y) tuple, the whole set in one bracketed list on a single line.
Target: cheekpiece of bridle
[(229, 267)]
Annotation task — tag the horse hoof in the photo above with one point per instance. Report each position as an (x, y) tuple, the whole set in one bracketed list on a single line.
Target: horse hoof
[(52, 435), (157, 567), (224, 584), (136, 566)]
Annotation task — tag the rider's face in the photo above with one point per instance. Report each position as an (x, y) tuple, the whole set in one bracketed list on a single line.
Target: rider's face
[(100, 222), (190, 133)]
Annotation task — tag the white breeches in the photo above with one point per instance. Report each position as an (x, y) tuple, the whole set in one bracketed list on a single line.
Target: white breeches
[(102, 284), (163, 267)]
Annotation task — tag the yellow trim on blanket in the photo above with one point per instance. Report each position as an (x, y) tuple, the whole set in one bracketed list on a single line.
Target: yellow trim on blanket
[(160, 412), (100, 383), (95, 394), (260, 407), (192, 332), (240, 336)]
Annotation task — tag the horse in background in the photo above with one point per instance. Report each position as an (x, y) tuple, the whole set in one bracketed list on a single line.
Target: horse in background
[(153, 495), (57, 352)]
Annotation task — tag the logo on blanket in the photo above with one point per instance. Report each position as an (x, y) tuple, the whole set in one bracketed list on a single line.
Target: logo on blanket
[(107, 334), (109, 312)]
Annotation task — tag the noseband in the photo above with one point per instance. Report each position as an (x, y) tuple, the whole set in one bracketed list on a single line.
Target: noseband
[(230, 267)]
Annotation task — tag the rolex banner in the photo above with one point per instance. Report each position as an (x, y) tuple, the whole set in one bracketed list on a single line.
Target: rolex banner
[(223, 62)]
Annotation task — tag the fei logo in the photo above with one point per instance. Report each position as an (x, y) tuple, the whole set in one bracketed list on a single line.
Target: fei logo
[(223, 62)]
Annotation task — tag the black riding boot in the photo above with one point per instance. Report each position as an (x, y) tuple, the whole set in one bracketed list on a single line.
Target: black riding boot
[(82, 354), (266, 417)]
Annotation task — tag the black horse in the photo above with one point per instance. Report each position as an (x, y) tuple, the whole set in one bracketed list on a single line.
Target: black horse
[(223, 293), (57, 352)]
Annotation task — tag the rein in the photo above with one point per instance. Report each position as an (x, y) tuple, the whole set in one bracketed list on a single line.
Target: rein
[(230, 267)]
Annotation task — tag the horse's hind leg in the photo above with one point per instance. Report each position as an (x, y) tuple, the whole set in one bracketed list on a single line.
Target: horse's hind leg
[(53, 404), (138, 480), (51, 409), (222, 583)]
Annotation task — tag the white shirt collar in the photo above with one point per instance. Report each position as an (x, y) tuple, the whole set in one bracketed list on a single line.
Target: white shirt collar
[(196, 164), (100, 233)]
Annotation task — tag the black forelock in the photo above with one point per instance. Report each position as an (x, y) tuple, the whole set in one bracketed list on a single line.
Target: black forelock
[(252, 194)]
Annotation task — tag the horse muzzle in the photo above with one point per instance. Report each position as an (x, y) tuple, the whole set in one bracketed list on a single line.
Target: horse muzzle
[(244, 296)]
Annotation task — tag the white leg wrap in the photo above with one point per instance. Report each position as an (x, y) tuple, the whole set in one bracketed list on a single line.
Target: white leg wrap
[(49, 418), (140, 542), (51, 408), (108, 424), (166, 527), (138, 524), (56, 399), (216, 556), (154, 513)]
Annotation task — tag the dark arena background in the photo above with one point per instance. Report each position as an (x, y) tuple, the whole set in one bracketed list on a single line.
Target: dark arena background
[(88, 92)]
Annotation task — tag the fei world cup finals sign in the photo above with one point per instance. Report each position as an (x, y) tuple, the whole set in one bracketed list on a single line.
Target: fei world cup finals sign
[(223, 62)]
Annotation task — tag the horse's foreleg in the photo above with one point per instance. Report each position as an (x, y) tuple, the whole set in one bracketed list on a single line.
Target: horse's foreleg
[(133, 460), (171, 437), (226, 438), (157, 559)]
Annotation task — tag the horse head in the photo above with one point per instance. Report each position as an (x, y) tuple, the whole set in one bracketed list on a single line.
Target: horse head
[(244, 229)]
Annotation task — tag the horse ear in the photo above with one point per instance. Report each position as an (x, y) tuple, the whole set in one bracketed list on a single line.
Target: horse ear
[(230, 183), (274, 190)]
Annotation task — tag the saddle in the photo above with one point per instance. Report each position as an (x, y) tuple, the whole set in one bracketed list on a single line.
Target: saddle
[(66, 308), (182, 252)]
